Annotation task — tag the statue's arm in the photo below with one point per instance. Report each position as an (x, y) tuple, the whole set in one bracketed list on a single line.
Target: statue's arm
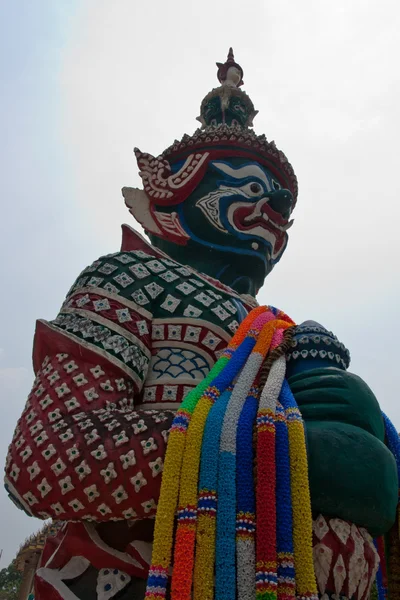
[(80, 449), (352, 473)]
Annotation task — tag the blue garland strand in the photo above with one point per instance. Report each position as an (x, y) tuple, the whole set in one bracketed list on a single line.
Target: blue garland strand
[(393, 441), (210, 445), (225, 576), (246, 499), (225, 563), (234, 366), (284, 518)]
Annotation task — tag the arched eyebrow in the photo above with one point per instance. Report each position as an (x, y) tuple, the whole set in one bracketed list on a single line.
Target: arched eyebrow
[(249, 170)]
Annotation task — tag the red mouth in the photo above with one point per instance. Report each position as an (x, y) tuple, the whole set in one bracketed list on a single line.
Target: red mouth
[(249, 216)]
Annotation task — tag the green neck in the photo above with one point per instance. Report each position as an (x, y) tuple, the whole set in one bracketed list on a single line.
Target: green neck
[(233, 270)]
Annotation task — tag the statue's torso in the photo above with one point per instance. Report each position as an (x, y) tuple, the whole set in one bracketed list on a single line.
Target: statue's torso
[(136, 332)]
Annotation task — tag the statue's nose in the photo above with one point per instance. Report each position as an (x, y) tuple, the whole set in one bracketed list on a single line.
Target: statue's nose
[(281, 201)]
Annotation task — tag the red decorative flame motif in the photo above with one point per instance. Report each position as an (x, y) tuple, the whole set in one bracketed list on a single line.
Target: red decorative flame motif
[(164, 187)]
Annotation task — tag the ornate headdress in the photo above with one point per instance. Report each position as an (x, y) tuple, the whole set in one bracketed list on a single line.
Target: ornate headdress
[(226, 116)]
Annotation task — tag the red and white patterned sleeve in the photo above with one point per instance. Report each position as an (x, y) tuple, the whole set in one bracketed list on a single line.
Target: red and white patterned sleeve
[(80, 450)]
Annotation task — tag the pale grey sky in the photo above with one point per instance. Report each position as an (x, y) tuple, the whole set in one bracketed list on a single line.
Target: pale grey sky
[(84, 82)]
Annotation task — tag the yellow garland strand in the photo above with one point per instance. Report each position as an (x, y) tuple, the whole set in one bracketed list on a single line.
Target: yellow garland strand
[(205, 558), (163, 531), (191, 461), (301, 503)]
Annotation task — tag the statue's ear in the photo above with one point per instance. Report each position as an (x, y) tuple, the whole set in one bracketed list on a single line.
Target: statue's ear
[(162, 188), (139, 206)]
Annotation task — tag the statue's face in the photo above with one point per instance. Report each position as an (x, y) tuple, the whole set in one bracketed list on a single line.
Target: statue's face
[(231, 211), (239, 207)]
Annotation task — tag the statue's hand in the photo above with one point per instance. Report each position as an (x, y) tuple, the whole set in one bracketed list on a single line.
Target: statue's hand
[(352, 473)]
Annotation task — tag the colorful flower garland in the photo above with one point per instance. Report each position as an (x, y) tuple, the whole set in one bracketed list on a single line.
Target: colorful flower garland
[(209, 480), (209, 483), (167, 504)]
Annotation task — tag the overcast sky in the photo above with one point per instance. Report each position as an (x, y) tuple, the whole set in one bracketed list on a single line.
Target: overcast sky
[(83, 82)]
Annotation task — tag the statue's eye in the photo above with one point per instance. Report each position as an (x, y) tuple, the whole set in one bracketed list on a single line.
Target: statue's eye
[(255, 188), (276, 185)]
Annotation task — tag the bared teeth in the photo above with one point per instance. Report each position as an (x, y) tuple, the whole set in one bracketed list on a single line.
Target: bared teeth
[(256, 211)]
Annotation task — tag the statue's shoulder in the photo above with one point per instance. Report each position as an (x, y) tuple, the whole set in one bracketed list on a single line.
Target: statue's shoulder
[(125, 302), (160, 286), (129, 273)]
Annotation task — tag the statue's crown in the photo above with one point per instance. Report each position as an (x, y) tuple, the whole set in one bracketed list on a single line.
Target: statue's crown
[(228, 104), (226, 116)]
